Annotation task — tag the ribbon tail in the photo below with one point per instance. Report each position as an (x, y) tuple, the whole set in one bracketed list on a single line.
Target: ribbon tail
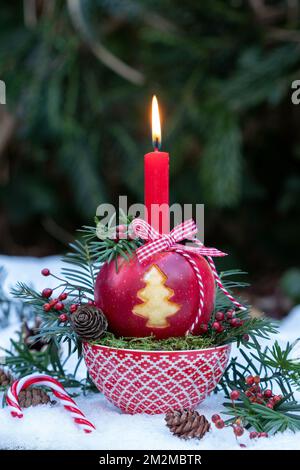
[(220, 285)]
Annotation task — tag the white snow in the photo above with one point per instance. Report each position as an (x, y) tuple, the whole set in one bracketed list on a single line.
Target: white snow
[(50, 427)]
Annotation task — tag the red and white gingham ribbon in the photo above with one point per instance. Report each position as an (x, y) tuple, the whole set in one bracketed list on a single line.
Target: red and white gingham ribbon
[(57, 389), (169, 242)]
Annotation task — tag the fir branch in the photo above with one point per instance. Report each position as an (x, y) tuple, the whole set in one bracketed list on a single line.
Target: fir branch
[(253, 327), (106, 245), (83, 265), (22, 361), (27, 294), (222, 302), (276, 369)]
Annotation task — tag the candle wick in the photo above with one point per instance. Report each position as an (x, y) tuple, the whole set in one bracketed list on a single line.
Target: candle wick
[(156, 144)]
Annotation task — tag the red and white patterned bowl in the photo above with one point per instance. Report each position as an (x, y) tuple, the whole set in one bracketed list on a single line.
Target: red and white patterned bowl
[(155, 381)]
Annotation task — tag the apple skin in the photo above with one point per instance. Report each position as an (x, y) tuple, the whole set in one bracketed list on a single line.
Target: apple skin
[(116, 294)]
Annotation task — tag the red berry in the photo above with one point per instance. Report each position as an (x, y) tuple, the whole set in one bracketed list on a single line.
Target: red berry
[(63, 317), (53, 302), (47, 293), (250, 380), (235, 322), (90, 302), (256, 379), (230, 314), (216, 326), (63, 296), (220, 424), (270, 405), (203, 328), (277, 398), (73, 308), (253, 435), (268, 393), (272, 402), (238, 430), (47, 307), (246, 338), (219, 316), (235, 394), (215, 418), (45, 272), (59, 306), (262, 434), (248, 393), (243, 446)]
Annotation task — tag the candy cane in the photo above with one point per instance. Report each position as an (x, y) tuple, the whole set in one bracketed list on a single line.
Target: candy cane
[(57, 389)]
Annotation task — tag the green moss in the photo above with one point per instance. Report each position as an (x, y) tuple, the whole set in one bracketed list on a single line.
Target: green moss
[(151, 344)]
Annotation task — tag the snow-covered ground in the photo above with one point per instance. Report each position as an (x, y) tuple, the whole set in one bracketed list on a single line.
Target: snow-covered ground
[(46, 427)]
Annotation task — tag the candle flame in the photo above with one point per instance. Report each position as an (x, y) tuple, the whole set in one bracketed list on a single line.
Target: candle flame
[(156, 130)]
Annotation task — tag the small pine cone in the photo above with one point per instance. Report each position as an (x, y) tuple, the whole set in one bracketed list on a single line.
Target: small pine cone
[(32, 397), (187, 424), (6, 378), (89, 323)]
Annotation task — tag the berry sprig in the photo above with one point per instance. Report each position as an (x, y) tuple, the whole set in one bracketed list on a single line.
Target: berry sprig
[(57, 304), (237, 424), (224, 322), (257, 395)]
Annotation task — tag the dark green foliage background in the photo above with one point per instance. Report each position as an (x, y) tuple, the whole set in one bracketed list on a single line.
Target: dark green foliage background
[(222, 71)]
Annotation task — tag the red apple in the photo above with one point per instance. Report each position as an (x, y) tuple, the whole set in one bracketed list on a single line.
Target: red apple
[(159, 297)]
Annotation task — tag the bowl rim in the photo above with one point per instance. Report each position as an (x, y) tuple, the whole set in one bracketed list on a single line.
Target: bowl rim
[(149, 351)]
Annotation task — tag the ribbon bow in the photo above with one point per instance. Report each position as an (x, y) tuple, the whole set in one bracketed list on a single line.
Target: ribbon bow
[(158, 243)]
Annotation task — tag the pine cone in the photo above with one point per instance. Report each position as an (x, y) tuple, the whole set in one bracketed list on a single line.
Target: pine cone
[(187, 424), (89, 323), (6, 378), (32, 397)]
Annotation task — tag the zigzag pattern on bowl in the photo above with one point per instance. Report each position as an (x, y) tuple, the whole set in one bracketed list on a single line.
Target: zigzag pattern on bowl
[(155, 382)]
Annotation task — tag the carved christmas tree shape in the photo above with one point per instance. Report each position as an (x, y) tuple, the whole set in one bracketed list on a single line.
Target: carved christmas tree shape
[(156, 306)]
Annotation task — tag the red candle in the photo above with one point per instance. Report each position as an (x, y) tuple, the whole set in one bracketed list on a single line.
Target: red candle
[(156, 171)]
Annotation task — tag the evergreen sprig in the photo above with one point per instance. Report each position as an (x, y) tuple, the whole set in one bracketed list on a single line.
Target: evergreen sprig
[(105, 243), (277, 370), (82, 266), (51, 329), (21, 361)]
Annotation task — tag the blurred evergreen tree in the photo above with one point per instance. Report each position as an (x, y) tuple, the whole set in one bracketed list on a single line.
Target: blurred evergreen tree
[(79, 77)]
